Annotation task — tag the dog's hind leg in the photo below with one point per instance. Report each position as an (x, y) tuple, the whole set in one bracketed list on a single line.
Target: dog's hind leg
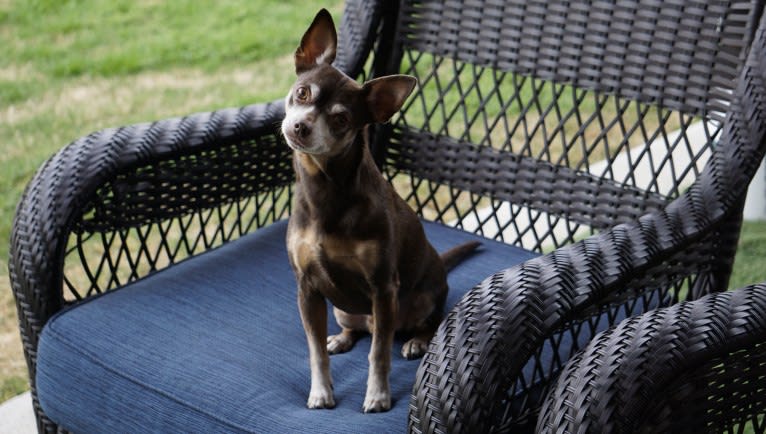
[(353, 327), (431, 305)]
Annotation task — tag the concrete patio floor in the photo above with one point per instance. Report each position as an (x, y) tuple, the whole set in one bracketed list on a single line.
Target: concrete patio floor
[(16, 415)]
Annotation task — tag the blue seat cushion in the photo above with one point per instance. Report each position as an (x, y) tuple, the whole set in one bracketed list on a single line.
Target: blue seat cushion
[(215, 344)]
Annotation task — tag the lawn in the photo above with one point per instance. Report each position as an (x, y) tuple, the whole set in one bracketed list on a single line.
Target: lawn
[(71, 67)]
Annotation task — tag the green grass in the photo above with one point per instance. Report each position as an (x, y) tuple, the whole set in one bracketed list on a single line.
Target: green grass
[(13, 386), (70, 67), (74, 66), (748, 264), (66, 38)]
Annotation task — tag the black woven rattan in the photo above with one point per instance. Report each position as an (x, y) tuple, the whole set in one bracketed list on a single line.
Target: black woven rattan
[(538, 158), (616, 137), (697, 366)]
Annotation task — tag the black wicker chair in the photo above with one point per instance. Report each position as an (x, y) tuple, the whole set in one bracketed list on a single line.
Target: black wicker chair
[(697, 366), (616, 139)]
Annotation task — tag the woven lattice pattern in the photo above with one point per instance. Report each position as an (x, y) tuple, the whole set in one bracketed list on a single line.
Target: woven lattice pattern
[(730, 388), (534, 162), (682, 55), (148, 217), (642, 375), (129, 253), (517, 131)]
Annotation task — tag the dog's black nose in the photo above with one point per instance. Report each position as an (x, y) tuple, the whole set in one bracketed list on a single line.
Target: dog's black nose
[(301, 129)]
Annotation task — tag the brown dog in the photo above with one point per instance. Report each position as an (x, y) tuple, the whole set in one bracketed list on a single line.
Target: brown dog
[(351, 239)]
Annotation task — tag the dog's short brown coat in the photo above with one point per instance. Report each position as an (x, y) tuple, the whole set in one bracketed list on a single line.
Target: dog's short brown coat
[(351, 239)]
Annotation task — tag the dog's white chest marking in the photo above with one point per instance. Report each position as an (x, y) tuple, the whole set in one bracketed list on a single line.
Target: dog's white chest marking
[(307, 246), (304, 248), (357, 256)]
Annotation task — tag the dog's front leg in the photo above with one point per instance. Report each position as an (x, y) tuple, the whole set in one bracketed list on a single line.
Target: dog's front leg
[(384, 311), (313, 309)]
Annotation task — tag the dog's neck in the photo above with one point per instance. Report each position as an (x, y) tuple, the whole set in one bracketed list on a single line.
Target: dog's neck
[(329, 184), (339, 171)]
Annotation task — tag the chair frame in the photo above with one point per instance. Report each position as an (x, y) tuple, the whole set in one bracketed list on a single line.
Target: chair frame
[(209, 178)]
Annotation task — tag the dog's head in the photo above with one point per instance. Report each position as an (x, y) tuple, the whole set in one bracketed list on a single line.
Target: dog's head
[(325, 109)]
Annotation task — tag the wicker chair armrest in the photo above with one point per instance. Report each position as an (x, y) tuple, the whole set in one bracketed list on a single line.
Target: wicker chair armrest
[(485, 341), (643, 375), (57, 193), (62, 186)]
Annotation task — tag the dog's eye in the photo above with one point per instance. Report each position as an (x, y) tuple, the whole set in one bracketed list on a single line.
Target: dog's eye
[(302, 93), (340, 119)]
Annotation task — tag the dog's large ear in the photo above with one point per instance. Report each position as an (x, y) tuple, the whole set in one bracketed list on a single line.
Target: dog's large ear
[(385, 95), (318, 44)]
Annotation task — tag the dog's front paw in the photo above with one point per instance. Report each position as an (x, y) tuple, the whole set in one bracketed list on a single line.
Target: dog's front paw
[(414, 348), (377, 402), (321, 399), (339, 343)]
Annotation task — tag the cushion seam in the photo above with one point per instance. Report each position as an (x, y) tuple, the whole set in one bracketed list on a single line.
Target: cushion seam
[(131, 379)]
